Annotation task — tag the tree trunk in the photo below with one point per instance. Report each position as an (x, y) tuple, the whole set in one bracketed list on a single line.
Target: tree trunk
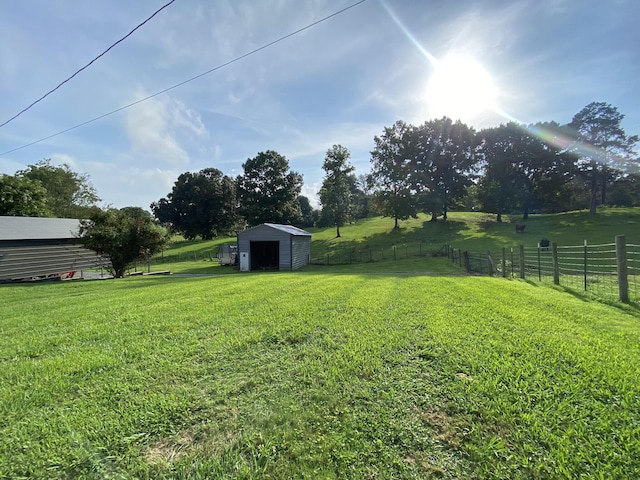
[(337, 231), (603, 193), (434, 217), (396, 225), (593, 197), (499, 218)]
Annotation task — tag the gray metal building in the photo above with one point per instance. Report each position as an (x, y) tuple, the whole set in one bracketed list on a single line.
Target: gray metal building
[(34, 247), (271, 246)]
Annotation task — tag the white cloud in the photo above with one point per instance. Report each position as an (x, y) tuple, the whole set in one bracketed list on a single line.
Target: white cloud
[(311, 192), (156, 127)]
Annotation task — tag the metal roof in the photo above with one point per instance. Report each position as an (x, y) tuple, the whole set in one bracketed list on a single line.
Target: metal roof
[(290, 229), (38, 228)]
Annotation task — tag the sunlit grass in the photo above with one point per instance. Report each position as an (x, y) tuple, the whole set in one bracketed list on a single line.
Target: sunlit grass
[(316, 375)]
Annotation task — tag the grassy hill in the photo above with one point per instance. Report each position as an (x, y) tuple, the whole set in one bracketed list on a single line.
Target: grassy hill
[(371, 243), (316, 375)]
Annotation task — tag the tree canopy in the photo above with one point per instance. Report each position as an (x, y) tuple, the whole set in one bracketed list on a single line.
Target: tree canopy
[(268, 191), (337, 187), (442, 159), (122, 236), (22, 197), (391, 173), (602, 147), (202, 203), (68, 194)]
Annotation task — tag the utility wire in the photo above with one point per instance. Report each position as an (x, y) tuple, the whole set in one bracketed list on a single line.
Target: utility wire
[(87, 65), (188, 80)]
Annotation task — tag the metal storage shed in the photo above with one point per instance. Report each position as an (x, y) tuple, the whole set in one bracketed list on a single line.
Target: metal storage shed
[(34, 247), (271, 246)]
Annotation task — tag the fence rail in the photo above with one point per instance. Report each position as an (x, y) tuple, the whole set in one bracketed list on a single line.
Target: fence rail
[(610, 270), (369, 254)]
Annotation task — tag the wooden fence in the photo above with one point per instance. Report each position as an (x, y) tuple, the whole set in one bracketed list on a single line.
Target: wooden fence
[(609, 270), (370, 254)]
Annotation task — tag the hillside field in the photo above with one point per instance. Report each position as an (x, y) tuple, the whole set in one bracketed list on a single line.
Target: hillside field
[(417, 239), (316, 375)]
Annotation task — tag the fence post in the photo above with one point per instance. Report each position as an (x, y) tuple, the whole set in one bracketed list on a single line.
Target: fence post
[(621, 261), (522, 261), (504, 262), (539, 265), (556, 264), (585, 265), (490, 263), (467, 262), (512, 264)]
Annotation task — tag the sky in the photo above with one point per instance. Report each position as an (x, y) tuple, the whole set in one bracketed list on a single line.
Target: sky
[(338, 82)]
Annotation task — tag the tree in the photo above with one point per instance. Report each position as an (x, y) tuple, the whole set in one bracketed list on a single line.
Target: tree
[(335, 193), (499, 187), (442, 160), (69, 194), (268, 191), (602, 147), (545, 169), (522, 171), (202, 203), (122, 236), (309, 214), (391, 173), (22, 197), (361, 197)]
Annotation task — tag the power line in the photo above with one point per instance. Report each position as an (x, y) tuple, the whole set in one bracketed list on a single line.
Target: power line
[(87, 65), (188, 80)]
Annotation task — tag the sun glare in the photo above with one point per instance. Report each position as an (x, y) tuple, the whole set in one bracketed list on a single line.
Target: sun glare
[(460, 88)]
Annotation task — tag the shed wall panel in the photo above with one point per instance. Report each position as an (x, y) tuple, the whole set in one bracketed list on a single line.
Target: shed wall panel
[(41, 259), (301, 251)]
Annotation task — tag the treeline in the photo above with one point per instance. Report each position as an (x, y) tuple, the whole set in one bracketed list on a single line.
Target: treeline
[(431, 168), (513, 168)]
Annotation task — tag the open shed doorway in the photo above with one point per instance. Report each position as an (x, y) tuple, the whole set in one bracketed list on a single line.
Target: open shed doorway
[(265, 255)]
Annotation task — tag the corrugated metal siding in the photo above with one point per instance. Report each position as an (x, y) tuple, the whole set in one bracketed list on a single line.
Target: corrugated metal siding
[(290, 258), (301, 251), (36, 259), (264, 233)]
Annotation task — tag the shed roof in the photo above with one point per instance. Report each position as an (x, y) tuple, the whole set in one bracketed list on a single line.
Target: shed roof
[(290, 229), (38, 228)]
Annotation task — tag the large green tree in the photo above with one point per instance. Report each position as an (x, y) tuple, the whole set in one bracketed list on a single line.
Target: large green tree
[(602, 147), (22, 197), (338, 182), (202, 203), (523, 168), (122, 236), (309, 214), (443, 158), (69, 194), (544, 169), (391, 173), (268, 191), (499, 186)]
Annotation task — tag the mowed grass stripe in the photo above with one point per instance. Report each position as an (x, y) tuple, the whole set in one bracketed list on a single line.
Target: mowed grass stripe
[(315, 376)]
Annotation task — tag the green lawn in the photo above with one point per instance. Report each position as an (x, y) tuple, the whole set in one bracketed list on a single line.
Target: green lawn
[(315, 374)]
